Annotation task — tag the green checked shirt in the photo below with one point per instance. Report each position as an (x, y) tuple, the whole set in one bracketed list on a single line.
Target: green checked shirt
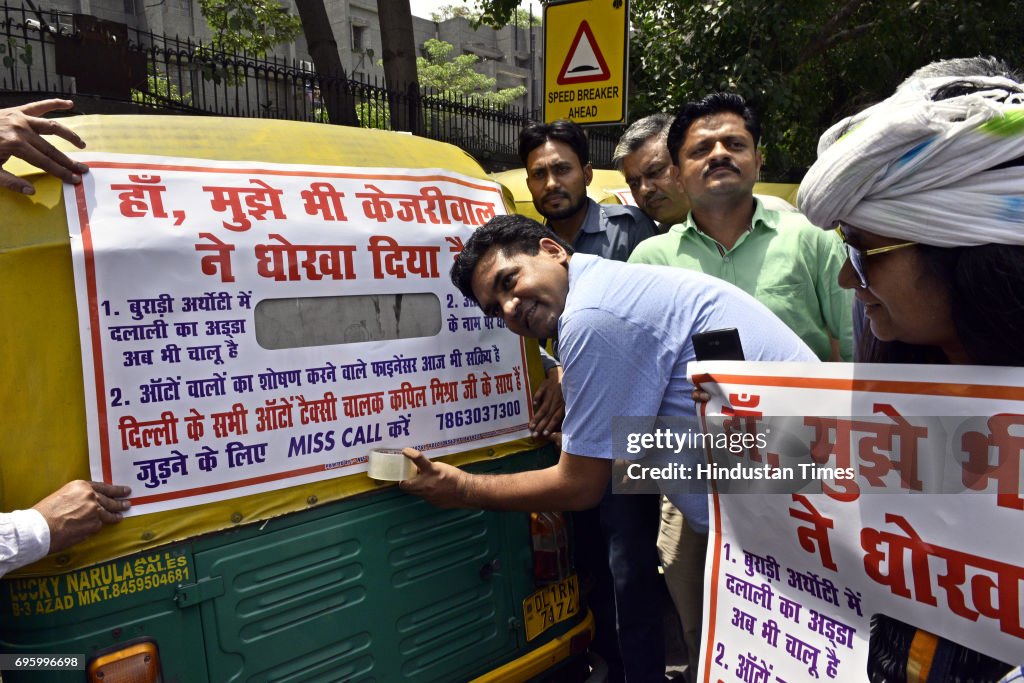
[(789, 265)]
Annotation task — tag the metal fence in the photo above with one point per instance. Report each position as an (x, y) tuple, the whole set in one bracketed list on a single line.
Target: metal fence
[(59, 52)]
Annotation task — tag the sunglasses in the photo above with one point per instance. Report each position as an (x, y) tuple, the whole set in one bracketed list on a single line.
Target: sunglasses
[(857, 256)]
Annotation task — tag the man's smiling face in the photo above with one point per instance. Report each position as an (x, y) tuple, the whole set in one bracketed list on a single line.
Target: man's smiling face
[(527, 292)]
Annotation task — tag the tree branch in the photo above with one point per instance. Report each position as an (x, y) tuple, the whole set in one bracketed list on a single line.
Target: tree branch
[(832, 41), (829, 36), (825, 36)]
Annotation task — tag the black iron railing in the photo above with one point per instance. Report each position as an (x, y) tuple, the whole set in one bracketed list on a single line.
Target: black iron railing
[(58, 52)]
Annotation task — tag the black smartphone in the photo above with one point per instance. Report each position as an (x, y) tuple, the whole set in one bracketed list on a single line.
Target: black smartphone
[(718, 345)]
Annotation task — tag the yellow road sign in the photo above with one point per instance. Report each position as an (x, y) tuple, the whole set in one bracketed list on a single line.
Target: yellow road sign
[(586, 60)]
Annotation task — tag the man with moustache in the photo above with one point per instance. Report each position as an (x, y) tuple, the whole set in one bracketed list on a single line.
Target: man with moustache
[(779, 258), (615, 542), (641, 155), (709, 159)]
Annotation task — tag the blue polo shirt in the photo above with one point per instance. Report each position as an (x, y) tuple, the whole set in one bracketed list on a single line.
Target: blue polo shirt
[(625, 342)]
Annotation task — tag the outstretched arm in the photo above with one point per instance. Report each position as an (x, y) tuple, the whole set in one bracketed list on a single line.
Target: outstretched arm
[(573, 483)]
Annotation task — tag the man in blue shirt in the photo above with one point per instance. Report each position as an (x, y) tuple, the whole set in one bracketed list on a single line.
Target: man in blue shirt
[(625, 337), (616, 543)]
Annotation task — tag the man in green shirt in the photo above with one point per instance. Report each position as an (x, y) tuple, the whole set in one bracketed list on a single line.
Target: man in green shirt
[(781, 259), (699, 178)]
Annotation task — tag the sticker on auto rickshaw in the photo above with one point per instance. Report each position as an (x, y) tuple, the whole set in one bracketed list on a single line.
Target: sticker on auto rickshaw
[(250, 326), (96, 585)]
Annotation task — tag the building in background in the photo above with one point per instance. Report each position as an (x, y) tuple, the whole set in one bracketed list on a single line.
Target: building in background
[(511, 55)]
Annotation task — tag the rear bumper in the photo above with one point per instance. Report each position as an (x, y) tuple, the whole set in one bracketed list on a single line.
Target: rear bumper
[(537, 661)]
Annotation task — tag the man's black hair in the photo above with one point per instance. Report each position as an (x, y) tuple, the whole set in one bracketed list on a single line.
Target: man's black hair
[(511, 234), (535, 135), (717, 103)]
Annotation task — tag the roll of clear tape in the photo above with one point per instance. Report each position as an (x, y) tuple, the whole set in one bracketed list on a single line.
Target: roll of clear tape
[(388, 464)]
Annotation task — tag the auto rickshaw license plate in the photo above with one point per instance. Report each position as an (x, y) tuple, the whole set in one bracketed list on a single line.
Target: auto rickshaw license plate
[(550, 605)]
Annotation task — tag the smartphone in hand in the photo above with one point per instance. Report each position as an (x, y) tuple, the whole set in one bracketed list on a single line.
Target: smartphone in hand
[(718, 345)]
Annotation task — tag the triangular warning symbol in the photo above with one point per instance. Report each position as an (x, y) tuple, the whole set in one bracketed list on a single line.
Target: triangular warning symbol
[(584, 63)]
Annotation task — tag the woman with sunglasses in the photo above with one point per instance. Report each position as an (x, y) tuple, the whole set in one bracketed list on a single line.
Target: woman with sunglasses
[(927, 189), (927, 304)]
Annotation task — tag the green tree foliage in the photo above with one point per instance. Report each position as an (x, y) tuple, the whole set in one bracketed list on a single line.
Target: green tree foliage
[(455, 77), (525, 19), (446, 12), (499, 13), (373, 113), (804, 63), (160, 90), (448, 78), (252, 25)]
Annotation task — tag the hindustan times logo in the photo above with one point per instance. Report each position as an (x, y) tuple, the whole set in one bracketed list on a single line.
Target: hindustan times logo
[(714, 472)]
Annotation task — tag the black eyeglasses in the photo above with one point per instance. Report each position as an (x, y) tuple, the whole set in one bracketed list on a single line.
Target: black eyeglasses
[(857, 256)]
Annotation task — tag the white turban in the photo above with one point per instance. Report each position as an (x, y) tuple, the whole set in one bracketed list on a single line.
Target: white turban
[(946, 173)]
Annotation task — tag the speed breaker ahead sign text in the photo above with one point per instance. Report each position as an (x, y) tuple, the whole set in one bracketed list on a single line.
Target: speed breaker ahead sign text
[(585, 60)]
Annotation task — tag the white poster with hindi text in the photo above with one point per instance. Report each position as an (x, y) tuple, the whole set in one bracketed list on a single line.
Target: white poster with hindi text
[(248, 326), (911, 508)]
